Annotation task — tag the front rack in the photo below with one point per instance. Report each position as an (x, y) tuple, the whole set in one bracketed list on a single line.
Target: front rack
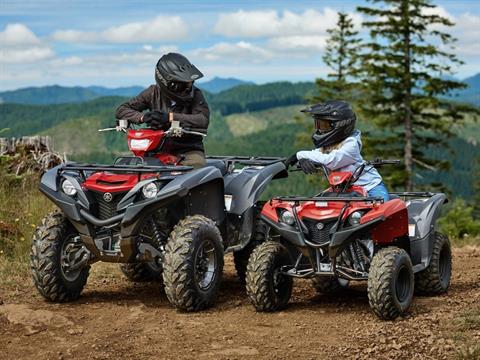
[(248, 160), (124, 168)]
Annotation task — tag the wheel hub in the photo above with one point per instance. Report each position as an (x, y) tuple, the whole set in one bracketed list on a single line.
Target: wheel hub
[(205, 265), (73, 257)]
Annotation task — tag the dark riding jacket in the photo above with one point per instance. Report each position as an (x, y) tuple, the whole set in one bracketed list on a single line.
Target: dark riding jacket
[(191, 114)]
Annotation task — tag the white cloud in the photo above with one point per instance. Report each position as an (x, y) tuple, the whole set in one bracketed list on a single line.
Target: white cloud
[(438, 10), (270, 23), (18, 44), (18, 34), (301, 45), (234, 52), (467, 30), (25, 55), (160, 28)]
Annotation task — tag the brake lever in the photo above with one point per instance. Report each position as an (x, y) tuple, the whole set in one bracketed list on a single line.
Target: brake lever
[(194, 133), (117, 128)]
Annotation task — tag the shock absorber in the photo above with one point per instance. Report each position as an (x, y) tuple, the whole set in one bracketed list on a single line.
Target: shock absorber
[(157, 235), (358, 256)]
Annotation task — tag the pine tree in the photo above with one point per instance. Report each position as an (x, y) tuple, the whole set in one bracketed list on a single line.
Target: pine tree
[(341, 57), (404, 71)]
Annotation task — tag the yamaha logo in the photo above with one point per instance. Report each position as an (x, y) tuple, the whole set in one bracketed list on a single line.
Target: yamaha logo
[(107, 197), (320, 226)]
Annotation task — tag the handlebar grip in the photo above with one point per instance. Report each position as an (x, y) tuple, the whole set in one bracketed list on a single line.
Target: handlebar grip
[(394, 162)]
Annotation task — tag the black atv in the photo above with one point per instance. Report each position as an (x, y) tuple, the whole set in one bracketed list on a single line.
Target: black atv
[(156, 220)]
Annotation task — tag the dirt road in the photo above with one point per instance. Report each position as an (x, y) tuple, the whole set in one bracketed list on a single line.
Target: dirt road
[(118, 319)]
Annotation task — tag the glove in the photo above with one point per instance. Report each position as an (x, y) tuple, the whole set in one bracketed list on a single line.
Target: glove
[(307, 166), (292, 160), (156, 119)]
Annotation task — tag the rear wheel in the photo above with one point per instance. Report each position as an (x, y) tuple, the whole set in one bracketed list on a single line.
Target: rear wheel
[(241, 257), (268, 289), (435, 279), (58, 259), (329, 285), (142, 272), (390, 283), (193, 265)]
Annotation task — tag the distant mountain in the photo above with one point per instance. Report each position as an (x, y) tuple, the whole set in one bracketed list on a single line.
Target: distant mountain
[(120, 91), (218, 84), (472, 93), (56, 94), (228, 95)]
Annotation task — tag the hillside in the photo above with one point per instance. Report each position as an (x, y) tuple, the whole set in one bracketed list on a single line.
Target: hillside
[(228, 95), (244, 121)]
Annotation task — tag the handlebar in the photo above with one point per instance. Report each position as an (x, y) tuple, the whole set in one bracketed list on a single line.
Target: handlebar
[(174, 130), (359, 170)]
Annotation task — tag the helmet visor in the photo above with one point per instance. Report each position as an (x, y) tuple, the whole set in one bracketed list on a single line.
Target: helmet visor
[(323, 126), (180, 87)]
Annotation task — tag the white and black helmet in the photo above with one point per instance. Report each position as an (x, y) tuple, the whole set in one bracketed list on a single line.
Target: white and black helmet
[(175, 75), (334, 122)]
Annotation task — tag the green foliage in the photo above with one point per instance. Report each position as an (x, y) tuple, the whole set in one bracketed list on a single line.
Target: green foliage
[(403, 73), (341, 56), (32, 119), (458, 222), (246, 98), (22, 208)]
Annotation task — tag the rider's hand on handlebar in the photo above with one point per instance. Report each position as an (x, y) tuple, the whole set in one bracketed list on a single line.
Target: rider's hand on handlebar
[(156, 119), (292, 160), (307, 166)]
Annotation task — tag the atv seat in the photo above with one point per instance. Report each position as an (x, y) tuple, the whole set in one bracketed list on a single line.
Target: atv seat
[(219, 164)]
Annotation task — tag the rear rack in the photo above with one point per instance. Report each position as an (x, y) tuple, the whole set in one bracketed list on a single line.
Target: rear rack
[(413, 194), (330, 199), (248, 160)]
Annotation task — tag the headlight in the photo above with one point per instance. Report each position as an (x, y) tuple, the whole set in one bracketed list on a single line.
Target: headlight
[(150, 190), (287, 217), (354, 218), (68, 188), (139, 144)]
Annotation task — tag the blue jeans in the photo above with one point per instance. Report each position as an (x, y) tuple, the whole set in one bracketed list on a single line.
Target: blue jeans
[(381, 191)]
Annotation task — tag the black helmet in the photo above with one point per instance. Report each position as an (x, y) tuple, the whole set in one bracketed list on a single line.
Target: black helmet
[(175, 75), (334, 122)]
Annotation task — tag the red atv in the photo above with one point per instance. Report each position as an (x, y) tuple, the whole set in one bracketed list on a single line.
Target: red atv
[(343, 234), (158, 219)]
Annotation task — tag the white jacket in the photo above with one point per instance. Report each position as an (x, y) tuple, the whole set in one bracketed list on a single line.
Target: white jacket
[(346, 159)]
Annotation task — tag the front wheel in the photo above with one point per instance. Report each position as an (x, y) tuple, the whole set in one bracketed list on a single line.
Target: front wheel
[(58, 259), (435, 279), (193, 265), (269, 289), (390, 283)]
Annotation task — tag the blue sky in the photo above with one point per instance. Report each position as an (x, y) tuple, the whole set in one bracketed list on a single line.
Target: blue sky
[(117, 43)]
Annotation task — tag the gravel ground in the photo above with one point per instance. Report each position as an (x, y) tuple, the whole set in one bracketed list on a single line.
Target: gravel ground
[(118, 319)]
